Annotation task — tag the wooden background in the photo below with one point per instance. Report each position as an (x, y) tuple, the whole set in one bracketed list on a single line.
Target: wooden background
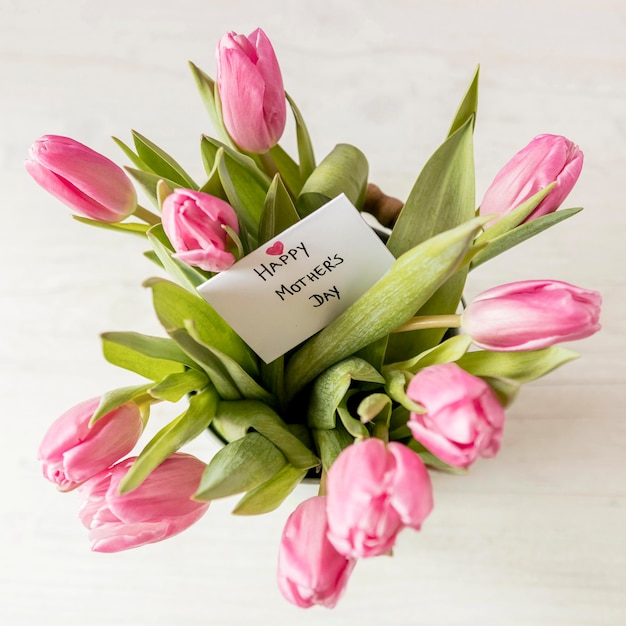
[(535, 536)]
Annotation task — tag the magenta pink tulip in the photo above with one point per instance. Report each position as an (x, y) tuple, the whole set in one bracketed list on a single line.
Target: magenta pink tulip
[(532, 314), (374, 491), (71, 451), (81, 178), (251, 91), (463, 418), (546, 159), (193, 222), (310, 570), (159, 508)]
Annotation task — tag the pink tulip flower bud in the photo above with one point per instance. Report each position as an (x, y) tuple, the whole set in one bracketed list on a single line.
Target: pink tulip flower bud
[(531, 314), (72, 451), (159, 508), (546, 159), (374, 491), (310, 570), (251, 91), (81, 178), (193, 221), (463, 418)]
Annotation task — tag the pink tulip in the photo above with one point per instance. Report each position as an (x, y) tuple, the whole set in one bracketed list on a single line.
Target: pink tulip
[(193, 221), (251, 91), (159, 508), (81, 178), (374, 491), (546, 159), (71, 451), (463, 418), (310, 570), (531, 314)]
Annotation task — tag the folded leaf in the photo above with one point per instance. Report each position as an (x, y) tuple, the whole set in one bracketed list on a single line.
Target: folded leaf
[(279, 212), (174, 387)]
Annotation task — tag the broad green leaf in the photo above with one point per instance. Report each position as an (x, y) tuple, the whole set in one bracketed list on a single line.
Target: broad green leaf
[(273, 378), (330, 443), (240, 466), (442, 197), (210, 98), (410, 281), (278, 214), (521, 367), (187, 426), (344, 170), (149, 182), (245, 384), (450, 350), (174, 387), (288, 170), (331, 386), (184, 275), (122, 355), (160, 162), (269, 495), (235, 418), (521, 233), (211, 365), (174, 305), (374, 353), (132, 228), (504, 388), (135, 159), (468, 107), (162, 348), (303, 139), (115, 398), (515, 217)]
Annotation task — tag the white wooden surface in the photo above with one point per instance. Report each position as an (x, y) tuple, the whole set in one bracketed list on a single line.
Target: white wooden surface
[(535, 536)]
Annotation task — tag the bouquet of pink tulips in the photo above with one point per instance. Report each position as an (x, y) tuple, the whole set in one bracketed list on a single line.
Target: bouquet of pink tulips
[(403, 379)]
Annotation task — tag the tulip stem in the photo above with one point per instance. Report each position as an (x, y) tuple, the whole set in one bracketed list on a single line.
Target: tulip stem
[(268, 164), (147, 216), (430, 321)]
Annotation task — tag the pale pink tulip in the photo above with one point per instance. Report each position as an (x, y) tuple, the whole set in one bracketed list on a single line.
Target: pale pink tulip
[(374, 491), (546, 159), (310, 570), (159, 508), (193, 222), (531, 314), (86, 181), (251, 91), (71, 451), (463, 418)]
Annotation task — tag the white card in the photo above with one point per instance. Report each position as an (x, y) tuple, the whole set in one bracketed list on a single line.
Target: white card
[(297, 283)]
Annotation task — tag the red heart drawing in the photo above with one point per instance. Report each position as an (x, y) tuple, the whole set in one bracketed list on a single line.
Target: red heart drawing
[(275, 249)]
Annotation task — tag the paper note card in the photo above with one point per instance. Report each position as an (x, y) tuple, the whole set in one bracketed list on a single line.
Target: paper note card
[(297, 283)]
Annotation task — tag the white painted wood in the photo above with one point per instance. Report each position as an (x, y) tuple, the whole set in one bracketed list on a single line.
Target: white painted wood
[(535, 536)]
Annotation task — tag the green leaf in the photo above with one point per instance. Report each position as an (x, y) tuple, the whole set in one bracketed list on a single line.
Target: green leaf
[(174, 305), (187, 426), (504, 388), (240, 466), (288, 170), (344, 170), (431, 460), (521, 233), (183, 274), (149, 182), (396, 389), (468, 107), (174, 387), (160, 162), (450, 350), (132, 228), (278, 214), (235, 418), (351, 423), (331, 386), (269, 495), (373, 405), (137, 161), (410, 281), (210, 98), (522, 367), (114, 399), (303, 139), (374, 353), (330, 443)]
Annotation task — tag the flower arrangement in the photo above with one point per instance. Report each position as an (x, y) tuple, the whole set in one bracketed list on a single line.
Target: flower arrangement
[(403, 380)]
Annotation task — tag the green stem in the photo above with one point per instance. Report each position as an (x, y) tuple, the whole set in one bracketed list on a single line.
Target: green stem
[(381, 431), (430, 321), (268, 164), (147, 216)]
